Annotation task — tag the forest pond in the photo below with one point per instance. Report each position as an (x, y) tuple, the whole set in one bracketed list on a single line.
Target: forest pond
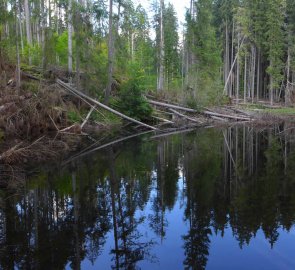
[(205, 199)]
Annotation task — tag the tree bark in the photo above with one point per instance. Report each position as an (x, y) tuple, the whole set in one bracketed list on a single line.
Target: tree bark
[(253, 72), (162, 53), (287, 92), (258, 75), (28, 27), (238, 74), (70, 39), (110, 54), (17, 71), (245, 80)]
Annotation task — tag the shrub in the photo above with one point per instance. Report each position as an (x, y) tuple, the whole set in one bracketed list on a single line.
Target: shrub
[(131, 100)]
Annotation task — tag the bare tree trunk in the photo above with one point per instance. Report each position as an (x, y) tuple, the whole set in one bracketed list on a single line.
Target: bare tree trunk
[(49, 14), (20, 27), (17, 71), (132, 46), (28, 27), (287, 93), (70, 38), (245, 79), (258, 75), (253, 72), (183, 62), (271, 90), (110, 54), (43, 24), (78, 22), (232, 67), (162, 53), (232, 62), (238, 74), (226, 57)]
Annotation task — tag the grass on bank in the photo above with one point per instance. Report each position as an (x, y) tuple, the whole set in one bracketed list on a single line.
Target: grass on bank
[(260, 108)]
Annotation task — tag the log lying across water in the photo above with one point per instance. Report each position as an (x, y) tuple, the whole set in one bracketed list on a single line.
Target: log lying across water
[(206, 112), (91, 100)]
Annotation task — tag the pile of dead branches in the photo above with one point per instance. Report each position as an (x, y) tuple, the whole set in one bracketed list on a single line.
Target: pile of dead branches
[(25, 114)]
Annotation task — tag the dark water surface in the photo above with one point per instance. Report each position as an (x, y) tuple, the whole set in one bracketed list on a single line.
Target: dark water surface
[(208, 199)]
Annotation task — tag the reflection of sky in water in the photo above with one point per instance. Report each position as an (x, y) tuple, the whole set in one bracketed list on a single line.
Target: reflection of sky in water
[(224, 252), (183, 188)]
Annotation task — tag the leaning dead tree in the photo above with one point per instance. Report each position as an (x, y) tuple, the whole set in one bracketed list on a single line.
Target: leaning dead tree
[(90, 100)]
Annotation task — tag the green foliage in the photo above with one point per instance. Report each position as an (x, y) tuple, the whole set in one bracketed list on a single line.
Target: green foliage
[(204, 91), (204, 86), (73, 117), (30, 86), (62, 47), (172, 58), (131, 99), (206, 47), (105, 117), (275, 41)]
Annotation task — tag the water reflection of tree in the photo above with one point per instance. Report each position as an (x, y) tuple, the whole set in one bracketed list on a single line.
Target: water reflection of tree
[(239, 177), (44, 228), (130, 247), (200, 183), (166, 190), (248, 186)]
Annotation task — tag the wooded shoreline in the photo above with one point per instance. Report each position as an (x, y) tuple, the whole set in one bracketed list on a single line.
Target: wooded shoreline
[(35, 126)]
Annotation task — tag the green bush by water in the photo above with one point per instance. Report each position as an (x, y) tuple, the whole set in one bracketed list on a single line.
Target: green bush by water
[(131, 100)]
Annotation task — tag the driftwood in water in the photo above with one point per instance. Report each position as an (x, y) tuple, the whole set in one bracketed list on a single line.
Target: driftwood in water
[(80, 94), (186, 117)]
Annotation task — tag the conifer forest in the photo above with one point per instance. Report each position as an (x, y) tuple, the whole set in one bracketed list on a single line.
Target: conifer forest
[(147, 134)]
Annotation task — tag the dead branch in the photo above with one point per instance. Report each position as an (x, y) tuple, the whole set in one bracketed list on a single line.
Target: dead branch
[(163, 120), (80, 94), (186, 117), (87, 117)]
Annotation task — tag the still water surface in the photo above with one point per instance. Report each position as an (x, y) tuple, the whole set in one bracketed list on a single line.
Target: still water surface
[(207, 199)]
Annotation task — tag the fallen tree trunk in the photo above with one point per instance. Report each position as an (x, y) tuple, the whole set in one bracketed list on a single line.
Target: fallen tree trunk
[(163, 120), (166, 105), (242, 118), (80, 94), (219, 119), (206, 112), (30, 76), (87, 117), (186, 117)]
